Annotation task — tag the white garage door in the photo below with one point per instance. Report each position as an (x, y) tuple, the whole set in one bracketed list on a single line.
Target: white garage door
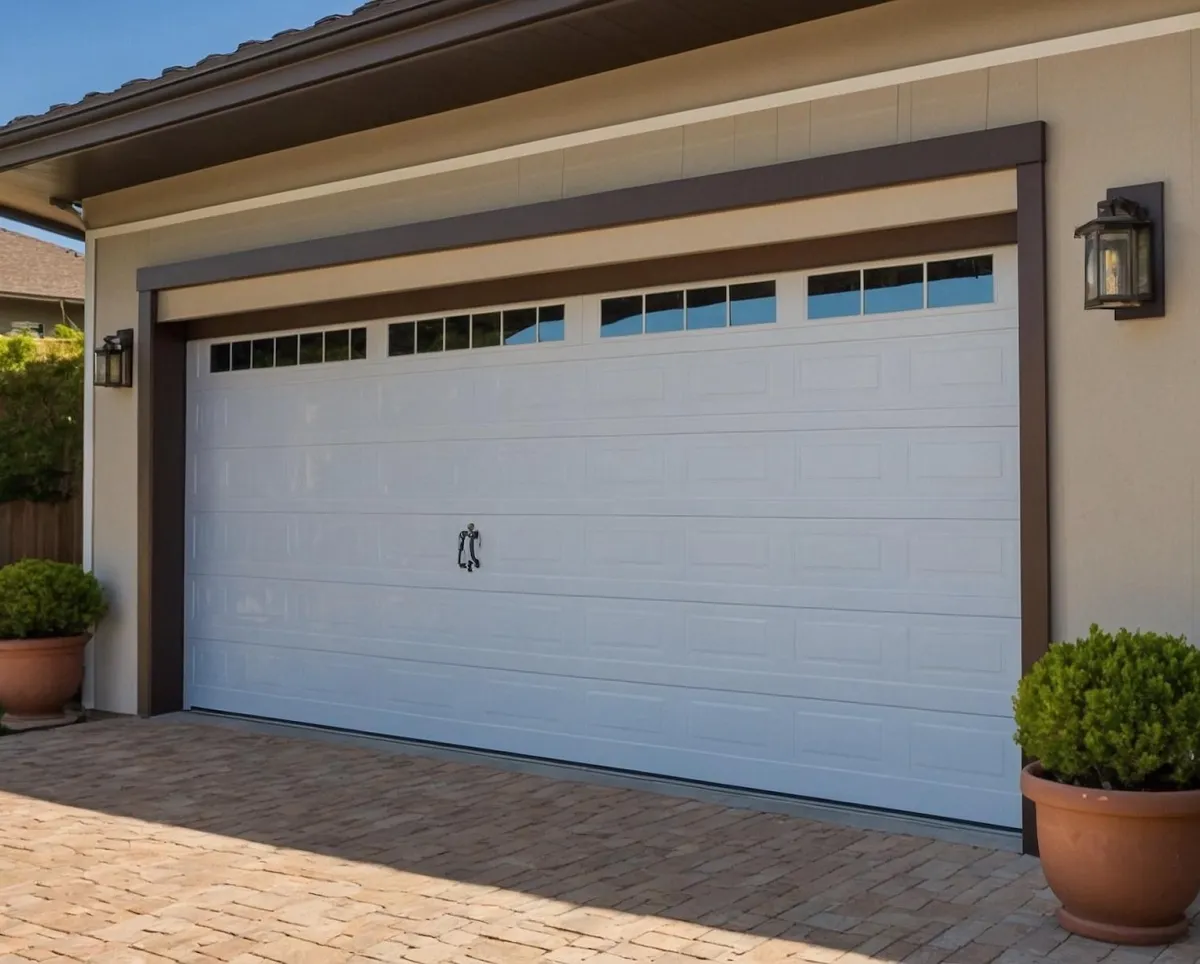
[(762, 532)]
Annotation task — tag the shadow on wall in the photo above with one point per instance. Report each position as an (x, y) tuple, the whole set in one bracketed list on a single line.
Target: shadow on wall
[(740, 871)]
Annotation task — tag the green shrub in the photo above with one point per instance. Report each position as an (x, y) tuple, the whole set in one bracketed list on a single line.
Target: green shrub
[(1119, 711), (40, 599), (41, 416)]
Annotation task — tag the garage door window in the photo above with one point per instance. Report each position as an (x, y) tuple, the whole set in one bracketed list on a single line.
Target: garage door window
[(484, 329), (285, 351), (694, 309), (950, 283)]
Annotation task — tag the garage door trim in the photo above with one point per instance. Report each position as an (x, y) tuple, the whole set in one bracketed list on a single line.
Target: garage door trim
[(162, 353)]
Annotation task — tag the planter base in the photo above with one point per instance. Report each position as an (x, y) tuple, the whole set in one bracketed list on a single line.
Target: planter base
[(19, 724), (1124, 863), (1120, 934), (38, 677)]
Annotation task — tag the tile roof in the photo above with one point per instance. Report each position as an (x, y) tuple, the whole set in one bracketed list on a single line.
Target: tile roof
[(244, 51), (38, 268)]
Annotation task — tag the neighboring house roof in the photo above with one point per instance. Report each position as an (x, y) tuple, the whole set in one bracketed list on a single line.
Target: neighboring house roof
[(38, 269), (387, 61)]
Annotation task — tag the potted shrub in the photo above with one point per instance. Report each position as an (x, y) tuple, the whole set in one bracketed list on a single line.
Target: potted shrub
[(1113, 723), (47, 610)]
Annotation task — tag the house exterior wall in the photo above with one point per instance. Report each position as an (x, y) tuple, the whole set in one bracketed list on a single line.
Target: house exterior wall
[(47, 313), (1123, 474)]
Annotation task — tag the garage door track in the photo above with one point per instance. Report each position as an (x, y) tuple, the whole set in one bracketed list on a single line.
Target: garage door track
[(134, 841)]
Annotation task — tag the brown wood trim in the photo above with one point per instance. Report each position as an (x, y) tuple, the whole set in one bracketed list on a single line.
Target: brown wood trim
[(914, 241), (162, 403), (41, 223), (161, 471), (1034, 440), (942, 157)]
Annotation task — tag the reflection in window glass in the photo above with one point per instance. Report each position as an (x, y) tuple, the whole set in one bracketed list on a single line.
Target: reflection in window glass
[(429, 336), (358, 343), (263, 353), (287, 351), (552, 323), (837, 295), (898, 288), (337, 345), (458, 332), (485, 330), (961, 281), (707, 308), (621, 316), (752, 304), (218, 358), (312, 348), (401, 338), (240, 354), (520, 326), (664, 312)]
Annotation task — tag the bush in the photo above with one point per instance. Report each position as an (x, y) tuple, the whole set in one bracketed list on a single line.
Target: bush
[(1114, 711), (41, 599), (41, 416)]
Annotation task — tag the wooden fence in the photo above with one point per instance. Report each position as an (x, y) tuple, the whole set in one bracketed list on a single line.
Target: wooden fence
[(41, 530)]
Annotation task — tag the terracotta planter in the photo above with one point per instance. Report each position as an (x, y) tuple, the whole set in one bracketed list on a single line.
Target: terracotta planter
[(1124, 864), (38, 676)]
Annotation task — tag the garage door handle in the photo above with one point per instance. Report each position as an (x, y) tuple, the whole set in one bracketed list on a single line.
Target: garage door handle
[(466, 541)]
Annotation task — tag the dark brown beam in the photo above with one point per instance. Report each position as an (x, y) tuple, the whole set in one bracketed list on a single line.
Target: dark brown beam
[(942, 157)]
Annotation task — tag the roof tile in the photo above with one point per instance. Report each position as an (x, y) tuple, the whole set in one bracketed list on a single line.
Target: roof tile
[(38, 268)]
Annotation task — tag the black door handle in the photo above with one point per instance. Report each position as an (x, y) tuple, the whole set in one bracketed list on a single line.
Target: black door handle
[(466, 541)]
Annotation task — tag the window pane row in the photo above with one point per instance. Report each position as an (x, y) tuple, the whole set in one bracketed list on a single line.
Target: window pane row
[(692, 309), (284, 351), (907, 287), (486, 329)]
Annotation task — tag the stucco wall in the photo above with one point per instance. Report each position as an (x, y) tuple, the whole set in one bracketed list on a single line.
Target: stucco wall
[(47, 313), (1123, 467)]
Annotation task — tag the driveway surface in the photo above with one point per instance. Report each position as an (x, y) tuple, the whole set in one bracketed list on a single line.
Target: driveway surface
[(132, 841)]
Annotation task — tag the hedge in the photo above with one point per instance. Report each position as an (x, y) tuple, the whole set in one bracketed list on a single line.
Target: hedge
[(41, 416)]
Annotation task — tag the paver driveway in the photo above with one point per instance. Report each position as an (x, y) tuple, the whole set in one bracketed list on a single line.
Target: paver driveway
[(131, 841)]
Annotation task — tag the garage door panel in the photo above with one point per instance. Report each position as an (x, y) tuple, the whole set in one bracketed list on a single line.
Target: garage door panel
[(783, 556), (960, 463), (681, 558), (751, 742), (921, 662), (357, 403), (966, 417)]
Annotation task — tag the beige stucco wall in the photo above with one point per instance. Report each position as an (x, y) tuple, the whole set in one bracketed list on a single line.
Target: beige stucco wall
[(1123, 466), (48, 313), (947, 200)]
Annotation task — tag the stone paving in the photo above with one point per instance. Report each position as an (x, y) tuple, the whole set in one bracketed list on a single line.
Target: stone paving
[(130, 841)]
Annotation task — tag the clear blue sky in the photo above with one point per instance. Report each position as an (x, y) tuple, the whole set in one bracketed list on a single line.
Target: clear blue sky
[(55, 51)]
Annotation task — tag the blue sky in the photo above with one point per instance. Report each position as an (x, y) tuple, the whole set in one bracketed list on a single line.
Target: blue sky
[(55, 51)]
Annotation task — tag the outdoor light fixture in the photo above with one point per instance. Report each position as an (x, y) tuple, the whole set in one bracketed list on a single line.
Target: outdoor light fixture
[(114, 360), (1123, 258)]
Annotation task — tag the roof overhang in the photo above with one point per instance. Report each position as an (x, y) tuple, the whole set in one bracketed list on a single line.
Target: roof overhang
[(380, 66)]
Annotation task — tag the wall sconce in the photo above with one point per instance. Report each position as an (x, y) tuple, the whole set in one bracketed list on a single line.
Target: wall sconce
[(114, 360), (1123, 263)]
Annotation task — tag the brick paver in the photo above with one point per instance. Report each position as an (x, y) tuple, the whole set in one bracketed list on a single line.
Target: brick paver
[(130, 841)]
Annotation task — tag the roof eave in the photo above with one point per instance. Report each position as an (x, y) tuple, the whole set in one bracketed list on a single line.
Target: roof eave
[(253, 104), (31, 219), (50, 299), (284, 66)]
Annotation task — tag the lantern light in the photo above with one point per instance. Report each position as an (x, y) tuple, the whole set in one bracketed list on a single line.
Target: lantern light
[(1117, 255), (1123, 261), (114, 360)]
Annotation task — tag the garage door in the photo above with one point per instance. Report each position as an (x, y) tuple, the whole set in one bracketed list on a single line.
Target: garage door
[(761, 532)]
